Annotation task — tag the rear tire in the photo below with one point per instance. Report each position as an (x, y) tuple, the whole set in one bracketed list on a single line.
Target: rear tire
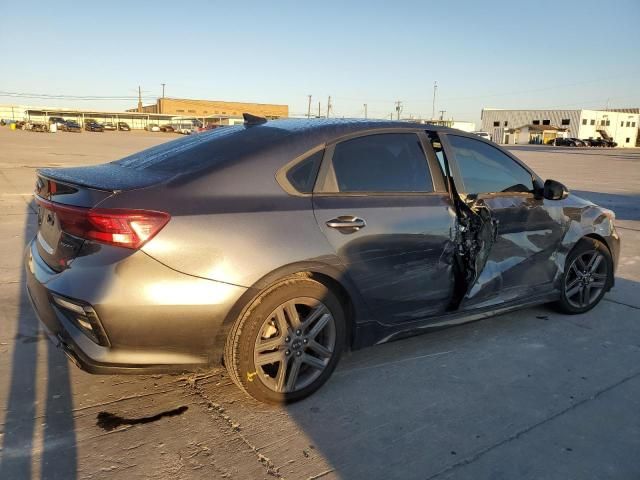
[(288, 342), (587, 277)]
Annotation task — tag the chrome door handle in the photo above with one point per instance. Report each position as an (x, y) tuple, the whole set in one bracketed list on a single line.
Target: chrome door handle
[(346, 222)]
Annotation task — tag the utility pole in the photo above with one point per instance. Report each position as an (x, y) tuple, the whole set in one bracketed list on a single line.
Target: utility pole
[(163, 84), (139, 99), (391, 116), (365, 111), (318, 109), (433, 110), (329, 106), (398, 108), (162, 103), (309, 107), (442, 112)]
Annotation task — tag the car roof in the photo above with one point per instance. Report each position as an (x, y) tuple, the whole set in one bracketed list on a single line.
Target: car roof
[(340, 126), (266, 147), (291, 137)]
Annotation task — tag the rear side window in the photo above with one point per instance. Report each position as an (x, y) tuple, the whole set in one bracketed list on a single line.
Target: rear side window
[(485, 169), (393, 162), (302, 176)]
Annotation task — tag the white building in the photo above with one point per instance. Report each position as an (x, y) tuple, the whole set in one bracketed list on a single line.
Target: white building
[(451, 123), (528, 126)]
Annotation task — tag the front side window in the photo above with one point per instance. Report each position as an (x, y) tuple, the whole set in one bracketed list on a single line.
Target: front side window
[(485, 169), (584, 121), (393, 162), (546, 122), (565, 121), (593, 122)]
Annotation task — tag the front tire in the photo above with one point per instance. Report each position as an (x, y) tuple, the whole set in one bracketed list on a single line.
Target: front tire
[(588, 276), (288, 342)]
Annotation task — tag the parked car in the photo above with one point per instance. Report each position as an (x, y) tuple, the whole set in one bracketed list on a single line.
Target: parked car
[(34, 126), (278, 244), (598, 142), (109, 126), (606, 139), (183, 129), (123, 126), (152, 127), (167, 128), (565, 142), (59, 122), (71, 126), (93, 126), (484, 135)]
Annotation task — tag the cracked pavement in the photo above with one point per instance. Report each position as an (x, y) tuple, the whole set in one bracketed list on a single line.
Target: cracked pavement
[(528, 395)]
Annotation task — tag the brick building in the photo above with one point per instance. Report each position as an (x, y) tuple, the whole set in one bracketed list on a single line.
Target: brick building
[(213, 108)]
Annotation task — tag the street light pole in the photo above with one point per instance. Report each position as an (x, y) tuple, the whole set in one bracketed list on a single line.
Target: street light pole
[(433, 110)]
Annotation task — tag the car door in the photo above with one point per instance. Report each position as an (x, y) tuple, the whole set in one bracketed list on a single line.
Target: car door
[(521, 261), (381, 202)]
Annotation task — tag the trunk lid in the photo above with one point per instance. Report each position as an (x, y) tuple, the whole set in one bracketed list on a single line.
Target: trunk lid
[(62, 195), (56, 247)]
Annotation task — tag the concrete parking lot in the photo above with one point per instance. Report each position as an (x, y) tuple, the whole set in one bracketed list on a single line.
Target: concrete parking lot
[(528, 395)]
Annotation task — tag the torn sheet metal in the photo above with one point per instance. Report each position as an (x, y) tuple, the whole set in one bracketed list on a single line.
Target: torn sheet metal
[(475, 234)]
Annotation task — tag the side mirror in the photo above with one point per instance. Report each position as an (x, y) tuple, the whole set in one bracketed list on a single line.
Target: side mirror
[(554, 190)]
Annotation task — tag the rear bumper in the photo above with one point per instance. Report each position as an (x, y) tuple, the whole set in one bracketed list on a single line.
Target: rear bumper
[(156, 320)]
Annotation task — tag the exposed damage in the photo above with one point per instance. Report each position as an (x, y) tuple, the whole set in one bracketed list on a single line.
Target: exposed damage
[(475, 233)]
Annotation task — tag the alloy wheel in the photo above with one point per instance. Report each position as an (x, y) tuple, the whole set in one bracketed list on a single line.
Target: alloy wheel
[(294, 345), (586, 279)]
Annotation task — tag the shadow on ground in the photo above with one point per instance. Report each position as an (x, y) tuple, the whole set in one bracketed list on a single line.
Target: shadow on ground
[(58, 447), (430, 406)]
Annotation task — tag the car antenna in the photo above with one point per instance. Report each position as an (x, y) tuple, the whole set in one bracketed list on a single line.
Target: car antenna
[(250, 120)]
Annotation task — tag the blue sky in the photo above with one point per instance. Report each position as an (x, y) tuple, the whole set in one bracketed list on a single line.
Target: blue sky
[(542, 54)]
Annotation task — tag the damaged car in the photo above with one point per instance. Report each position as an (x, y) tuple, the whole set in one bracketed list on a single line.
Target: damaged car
[(273, 246)]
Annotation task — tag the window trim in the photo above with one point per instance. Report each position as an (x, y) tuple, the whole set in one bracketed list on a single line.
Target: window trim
[(281, 173), (326, 182), (457, 174)]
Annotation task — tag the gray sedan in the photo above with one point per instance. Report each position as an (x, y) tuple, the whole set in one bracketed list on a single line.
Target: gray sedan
[(273, 246)]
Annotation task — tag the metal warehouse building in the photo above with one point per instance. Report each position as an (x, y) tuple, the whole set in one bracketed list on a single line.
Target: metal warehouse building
[(541, 126)]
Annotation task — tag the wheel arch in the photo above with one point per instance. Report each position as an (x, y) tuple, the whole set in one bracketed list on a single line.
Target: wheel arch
[(329, 275), (600, 238)]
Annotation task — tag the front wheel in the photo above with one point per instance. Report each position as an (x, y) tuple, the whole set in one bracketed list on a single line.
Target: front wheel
[(588, 276), (288, 342)]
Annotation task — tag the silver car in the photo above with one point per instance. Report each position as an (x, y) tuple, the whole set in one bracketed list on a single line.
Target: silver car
[(273, 246)]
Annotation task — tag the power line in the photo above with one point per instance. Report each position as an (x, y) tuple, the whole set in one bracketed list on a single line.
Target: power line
[(71, 97)]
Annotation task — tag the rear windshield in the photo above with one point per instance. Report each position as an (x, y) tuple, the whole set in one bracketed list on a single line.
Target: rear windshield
[(203, 149)]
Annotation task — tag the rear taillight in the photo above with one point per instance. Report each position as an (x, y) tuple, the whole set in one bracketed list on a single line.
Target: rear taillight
[(120, 227)]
